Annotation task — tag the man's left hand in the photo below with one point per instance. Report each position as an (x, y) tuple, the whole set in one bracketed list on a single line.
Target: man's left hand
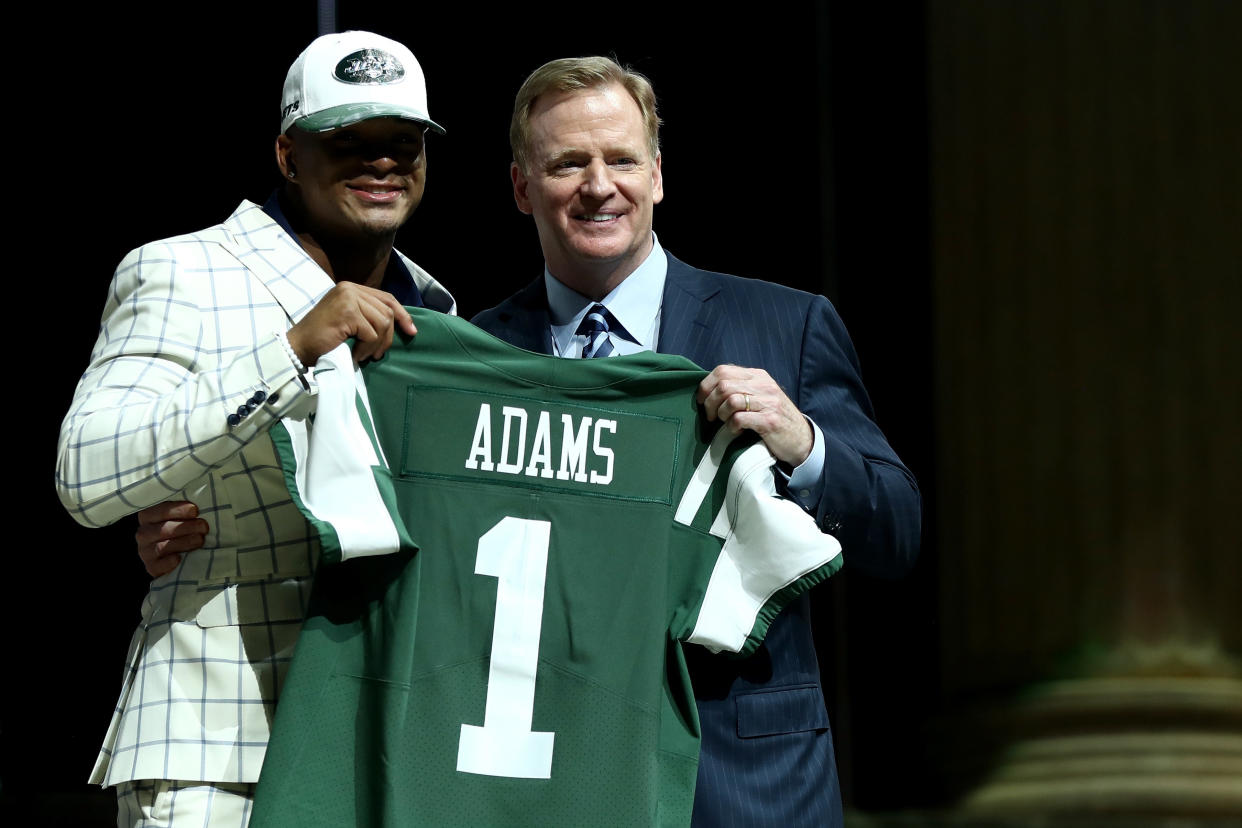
[(166, 531), (748, 398)]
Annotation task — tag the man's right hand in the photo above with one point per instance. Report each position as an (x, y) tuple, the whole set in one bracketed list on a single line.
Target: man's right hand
[(369, 315), (165, 532)]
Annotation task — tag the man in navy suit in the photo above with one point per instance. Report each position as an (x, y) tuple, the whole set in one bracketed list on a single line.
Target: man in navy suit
[(586, 167)]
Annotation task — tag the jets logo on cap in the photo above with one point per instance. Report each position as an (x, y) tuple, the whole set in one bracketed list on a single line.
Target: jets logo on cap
[(369, 66)]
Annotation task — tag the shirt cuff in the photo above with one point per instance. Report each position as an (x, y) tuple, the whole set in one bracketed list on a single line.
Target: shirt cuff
[(805, 484)]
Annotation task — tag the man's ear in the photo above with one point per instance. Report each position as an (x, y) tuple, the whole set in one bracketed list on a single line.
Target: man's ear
[(657, 180), (284, 157), (519, 188)]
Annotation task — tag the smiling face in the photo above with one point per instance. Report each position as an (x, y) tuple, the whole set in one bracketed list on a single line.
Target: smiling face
[(591, 186), (357, 184)]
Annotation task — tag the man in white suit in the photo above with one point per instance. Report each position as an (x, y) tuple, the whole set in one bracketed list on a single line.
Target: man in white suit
[(206, 340)]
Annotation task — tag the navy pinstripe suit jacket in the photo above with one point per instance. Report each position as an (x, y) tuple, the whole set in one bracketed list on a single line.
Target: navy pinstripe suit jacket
[(767, 755)]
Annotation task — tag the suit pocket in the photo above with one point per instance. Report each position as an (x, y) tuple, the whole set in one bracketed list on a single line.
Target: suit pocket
[(252, 602), (788, 710)]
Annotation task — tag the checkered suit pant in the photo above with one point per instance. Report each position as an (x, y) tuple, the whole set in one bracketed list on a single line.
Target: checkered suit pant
[(158, 803)]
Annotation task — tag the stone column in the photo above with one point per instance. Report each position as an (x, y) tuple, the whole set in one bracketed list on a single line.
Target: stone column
[(1087, 231)]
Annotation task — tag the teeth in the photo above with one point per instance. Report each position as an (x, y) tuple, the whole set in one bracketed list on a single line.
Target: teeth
[(599, 217)]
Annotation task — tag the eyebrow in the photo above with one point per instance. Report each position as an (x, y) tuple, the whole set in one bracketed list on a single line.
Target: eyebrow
[(565, 152), (571, 152)]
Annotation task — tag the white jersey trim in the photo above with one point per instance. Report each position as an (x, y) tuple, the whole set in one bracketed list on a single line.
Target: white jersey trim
[(770, 543), (337, 482)]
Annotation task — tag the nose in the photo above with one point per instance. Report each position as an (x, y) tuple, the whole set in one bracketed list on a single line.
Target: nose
[(381, 161), (383, 157), (597, 180)]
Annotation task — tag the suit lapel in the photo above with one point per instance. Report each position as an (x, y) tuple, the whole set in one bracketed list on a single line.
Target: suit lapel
[(263, 248), (523, 320), (690, 324)]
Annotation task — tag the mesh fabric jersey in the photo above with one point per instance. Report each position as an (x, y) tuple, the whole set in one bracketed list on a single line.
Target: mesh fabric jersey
[(562, 528)]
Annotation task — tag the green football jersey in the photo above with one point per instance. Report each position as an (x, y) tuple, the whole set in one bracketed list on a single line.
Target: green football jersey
[(516, 549)]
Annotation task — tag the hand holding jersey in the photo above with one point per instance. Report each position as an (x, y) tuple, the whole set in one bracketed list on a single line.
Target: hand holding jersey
[(371, 317), (748, 398)]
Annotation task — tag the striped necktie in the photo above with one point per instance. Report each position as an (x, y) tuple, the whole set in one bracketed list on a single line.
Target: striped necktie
[(595, 328)]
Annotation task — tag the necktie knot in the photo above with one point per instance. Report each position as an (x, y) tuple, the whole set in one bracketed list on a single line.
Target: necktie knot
[(595, 327)]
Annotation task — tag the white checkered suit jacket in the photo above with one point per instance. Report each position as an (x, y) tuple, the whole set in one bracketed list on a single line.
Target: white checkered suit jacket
[(188, 338)]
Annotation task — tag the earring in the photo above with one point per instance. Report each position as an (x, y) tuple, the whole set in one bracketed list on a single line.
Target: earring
[(293, 173)]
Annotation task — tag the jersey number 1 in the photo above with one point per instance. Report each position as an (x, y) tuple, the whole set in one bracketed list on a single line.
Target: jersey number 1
[(515, 552)]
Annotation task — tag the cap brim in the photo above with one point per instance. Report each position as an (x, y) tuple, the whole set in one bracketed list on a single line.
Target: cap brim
[(346, 114)]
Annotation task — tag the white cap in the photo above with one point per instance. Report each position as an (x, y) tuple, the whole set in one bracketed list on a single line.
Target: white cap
[(344, 78)]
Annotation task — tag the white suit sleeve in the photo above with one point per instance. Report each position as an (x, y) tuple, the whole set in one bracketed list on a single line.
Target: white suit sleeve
[(152, 412)]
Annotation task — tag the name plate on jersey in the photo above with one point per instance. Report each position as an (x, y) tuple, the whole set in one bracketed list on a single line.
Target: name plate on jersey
[(467, 435)]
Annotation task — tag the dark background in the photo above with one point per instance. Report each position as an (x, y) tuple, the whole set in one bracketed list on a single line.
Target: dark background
[(803, 144)]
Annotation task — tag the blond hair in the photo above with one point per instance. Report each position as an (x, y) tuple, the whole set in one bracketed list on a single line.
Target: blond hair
[(572, 74)]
